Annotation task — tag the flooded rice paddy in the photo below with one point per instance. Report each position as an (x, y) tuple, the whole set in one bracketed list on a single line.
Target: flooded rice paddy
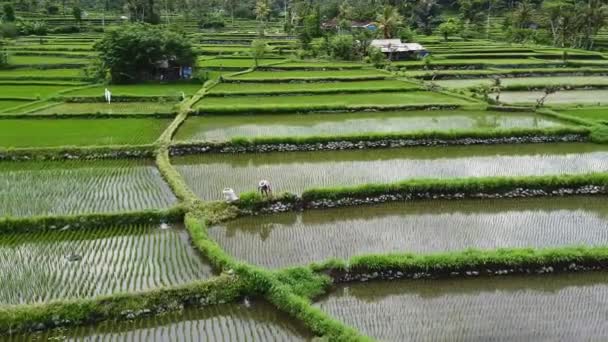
[(597, 97), (224, 128), (39, 267), (294, 172), (77, 187), (570, 307), (301, 238)]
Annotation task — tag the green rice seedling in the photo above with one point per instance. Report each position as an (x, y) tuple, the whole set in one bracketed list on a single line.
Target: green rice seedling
[(231, 89), (21, 133), (311, 74), (300, 238), (115, 108), (40, 267), (6, 105), (78, 187), (294, 172), (23, 74), (43, 60), (315, 102), (35, 91), (147, 89), (556, 307)]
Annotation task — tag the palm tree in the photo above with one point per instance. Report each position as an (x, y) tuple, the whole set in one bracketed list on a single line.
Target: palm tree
[(388, 21)]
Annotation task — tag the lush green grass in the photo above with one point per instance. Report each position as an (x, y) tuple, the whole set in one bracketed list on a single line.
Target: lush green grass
[(30, 91), (113, 108), (218, 63), (44, 60), (321, 64), (21, 74), (148, 89), (599, 114), (7, 105), (79, 132), (257, 88), (311, 74), (338, 100)]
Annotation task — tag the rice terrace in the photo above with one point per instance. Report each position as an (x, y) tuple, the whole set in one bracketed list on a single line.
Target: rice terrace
[(303, 170)]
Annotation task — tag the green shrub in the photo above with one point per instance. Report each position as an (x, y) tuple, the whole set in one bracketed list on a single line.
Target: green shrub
[(342, 47), (376, 57), (9, 30)]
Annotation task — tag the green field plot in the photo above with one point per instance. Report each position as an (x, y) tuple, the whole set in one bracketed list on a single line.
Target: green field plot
[(169, 89), (295, 172), (531, 82), (472, 61), (556, 307), (79, 132), (302, 102), (320, 65), (311, 74), (78, 187), (597, 97), (287, 88), (115, 108), (505, 73), (7, 105), (290, 239), (224, 128), (30, 91), (257, 322), (218, 63), (39, 267), (45, 60), (599, 114), (38, 74)]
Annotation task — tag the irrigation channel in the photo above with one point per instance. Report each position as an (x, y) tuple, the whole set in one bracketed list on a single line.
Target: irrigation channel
[(253, 321), (566, 307), (294, 172), (39, 267), (290, 239), (37, 188), (223, 128)]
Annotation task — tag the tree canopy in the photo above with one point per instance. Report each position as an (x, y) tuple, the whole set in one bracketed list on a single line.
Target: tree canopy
[(133, 52)]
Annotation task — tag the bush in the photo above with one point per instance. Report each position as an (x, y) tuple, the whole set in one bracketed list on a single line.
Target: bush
[(65, 29), (406, 34), (27, 28), (377, 57), (211, 22), (3, 58), (202, 76), (9, 30), (342, 47), (52, 9), (9, 13)]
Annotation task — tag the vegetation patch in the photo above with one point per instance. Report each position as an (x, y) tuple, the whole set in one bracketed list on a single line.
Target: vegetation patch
[(22, 133), (36, 266), (78, 187)]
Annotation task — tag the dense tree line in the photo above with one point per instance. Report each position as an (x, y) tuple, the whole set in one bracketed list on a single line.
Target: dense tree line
[(564, 23)]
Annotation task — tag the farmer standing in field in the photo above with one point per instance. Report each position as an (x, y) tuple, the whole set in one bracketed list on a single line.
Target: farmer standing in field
[(264, 187)]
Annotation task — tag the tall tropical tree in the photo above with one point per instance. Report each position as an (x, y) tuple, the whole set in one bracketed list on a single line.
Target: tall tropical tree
[(388, 21), (262, 11)]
